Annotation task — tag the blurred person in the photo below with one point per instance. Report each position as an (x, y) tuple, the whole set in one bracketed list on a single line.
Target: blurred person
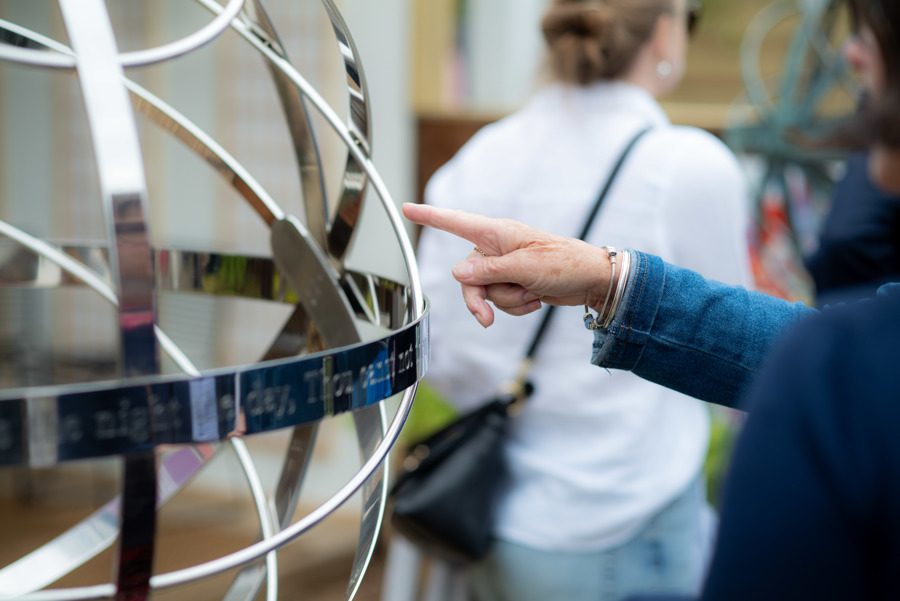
[(857, 249), (605, 495), (812, 501)]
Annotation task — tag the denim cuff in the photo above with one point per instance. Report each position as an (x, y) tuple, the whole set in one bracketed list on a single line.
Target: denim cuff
[(620, 346)]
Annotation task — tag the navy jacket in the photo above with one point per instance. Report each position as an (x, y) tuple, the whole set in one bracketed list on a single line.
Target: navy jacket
[(859, 246), (812, 501)]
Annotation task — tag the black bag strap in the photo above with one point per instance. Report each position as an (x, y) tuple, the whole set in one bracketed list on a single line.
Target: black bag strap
[(592, 216)]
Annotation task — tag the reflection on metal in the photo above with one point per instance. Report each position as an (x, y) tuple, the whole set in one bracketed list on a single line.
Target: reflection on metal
[(123, 191), (316, 366), (354, 180), (378, 300), (312, 183), (141, 58)]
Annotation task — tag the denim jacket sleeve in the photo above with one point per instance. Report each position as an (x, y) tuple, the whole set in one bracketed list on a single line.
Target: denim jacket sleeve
[(690, 334)]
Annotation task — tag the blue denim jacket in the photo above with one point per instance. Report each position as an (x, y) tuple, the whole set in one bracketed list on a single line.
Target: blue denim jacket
[(699, 337), (812, 500)]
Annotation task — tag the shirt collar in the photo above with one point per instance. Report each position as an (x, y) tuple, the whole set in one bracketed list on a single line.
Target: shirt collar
[(608, 96)]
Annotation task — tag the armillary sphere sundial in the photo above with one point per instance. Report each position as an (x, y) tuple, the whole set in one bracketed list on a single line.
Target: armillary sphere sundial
[(352, 339)]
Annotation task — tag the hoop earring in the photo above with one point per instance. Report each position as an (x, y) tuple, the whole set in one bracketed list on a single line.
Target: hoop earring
[(664, 69)]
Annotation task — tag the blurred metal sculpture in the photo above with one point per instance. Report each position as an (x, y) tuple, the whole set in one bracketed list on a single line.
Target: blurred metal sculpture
[(165, 426), (812, 93)]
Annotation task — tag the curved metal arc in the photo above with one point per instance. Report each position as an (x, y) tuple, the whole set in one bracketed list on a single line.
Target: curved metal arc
[(371, 426), (82, 273), (816, 19), (336, 235), (353, 187), (801, 47), (140, 58), (256, 550), (74, 268), (831, 66), (337, 125), (751, 49), (209, 150), (416, 308), (248, 554), (96, 533), (369, 422), (267, 523), (312, 182), (123, 193), (185, 130)]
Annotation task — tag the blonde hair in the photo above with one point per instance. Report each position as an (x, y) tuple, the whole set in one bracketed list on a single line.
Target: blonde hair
[(593, 40)]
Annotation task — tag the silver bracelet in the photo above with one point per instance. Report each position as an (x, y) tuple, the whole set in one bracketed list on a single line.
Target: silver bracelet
[(621, 285), (592, 322)]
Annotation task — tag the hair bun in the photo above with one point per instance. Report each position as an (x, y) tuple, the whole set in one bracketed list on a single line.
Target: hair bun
[(578, 19), (593, 40), (578, 34)]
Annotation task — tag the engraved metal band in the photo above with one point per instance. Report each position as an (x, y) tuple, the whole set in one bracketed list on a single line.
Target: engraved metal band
[(120, 417)]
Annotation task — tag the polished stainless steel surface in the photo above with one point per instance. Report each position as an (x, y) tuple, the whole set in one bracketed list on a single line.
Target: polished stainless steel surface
[(99, 531), (353, 182), (123, 190), (356, 151), (300, 127), (316, 366), (98, 419), (375, 299), (140, 58)]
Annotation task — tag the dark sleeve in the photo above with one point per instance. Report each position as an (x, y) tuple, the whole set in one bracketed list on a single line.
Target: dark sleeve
[(799, 498), (857, 246)]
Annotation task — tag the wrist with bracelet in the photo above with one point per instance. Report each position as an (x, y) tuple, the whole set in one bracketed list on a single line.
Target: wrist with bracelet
[(620, 270)]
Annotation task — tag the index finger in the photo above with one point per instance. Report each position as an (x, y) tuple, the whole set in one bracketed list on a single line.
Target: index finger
[(491, 235)]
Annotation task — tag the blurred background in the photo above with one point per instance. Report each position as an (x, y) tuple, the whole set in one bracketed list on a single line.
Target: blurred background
[(760, 73)]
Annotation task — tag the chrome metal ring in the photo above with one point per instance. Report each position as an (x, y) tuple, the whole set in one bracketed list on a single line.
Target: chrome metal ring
[(100, 419), (139, 58)]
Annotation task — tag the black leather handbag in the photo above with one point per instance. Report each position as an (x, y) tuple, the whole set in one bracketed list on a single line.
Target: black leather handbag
[(445, 499)]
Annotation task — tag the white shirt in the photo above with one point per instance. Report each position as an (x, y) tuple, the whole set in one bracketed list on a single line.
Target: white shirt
[(594, 454)]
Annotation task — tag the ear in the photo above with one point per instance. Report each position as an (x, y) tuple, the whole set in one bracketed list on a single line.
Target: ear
[(662, 42)]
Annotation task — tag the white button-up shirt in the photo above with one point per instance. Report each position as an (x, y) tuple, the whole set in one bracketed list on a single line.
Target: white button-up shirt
[(594, 454)]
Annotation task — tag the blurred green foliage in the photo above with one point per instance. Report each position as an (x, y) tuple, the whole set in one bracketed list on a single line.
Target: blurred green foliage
[(429, 412), (724, 428)]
